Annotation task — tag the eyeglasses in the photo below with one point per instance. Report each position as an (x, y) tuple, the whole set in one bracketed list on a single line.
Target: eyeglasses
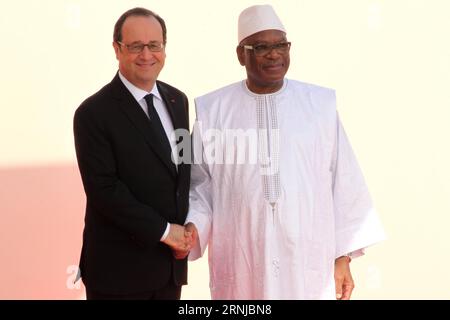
[(263, 49), (138, 47)]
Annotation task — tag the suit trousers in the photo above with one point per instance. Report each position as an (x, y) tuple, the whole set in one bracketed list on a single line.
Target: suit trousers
[(169, 292)]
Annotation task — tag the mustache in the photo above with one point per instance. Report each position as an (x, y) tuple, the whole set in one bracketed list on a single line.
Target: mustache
[(272, 64)]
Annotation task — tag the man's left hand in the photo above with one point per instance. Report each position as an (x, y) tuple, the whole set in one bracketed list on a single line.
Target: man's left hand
[(343, 278)]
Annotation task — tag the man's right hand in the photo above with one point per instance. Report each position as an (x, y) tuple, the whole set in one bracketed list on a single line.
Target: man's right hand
[(178, 238), (191, 233)]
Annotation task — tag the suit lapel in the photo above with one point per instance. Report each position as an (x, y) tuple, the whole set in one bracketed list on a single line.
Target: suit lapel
[(176, 107), (137, 116), (180, 119)]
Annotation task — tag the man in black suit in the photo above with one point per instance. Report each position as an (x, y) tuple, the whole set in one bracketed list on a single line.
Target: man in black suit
[(137, 196)]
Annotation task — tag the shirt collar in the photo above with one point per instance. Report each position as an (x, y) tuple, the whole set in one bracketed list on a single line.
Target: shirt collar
[(138, 93), (253, 94)]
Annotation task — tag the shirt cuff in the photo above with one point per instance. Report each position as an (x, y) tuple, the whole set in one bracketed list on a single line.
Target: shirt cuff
[(166, 233), (356, 253)]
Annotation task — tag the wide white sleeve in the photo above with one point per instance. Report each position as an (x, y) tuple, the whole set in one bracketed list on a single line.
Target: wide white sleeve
[(357, 223), (200, 196)]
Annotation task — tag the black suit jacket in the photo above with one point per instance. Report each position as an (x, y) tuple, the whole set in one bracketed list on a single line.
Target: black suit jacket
[(132, 188)]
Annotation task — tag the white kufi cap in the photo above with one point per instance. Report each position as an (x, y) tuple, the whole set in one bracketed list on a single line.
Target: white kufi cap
[(258, 18)]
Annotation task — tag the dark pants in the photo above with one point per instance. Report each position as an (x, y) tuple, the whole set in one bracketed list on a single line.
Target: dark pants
[(170, 292)]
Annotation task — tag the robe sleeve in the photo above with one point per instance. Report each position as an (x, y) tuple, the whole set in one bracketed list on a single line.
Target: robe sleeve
[(200, 198), (356, 220)]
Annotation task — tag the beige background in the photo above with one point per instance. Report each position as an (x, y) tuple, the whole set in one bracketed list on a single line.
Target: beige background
[(388, 60)]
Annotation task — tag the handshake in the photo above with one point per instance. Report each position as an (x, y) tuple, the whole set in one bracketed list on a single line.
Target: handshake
[(181, 239)]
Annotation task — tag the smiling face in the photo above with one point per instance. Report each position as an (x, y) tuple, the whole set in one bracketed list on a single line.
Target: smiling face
[(141, 69), (265, 73)]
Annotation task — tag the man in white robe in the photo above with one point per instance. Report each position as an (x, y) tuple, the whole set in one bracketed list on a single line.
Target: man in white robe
[(276, 192)]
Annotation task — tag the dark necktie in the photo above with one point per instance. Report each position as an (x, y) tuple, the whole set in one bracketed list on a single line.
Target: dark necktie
[(156, 123)]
